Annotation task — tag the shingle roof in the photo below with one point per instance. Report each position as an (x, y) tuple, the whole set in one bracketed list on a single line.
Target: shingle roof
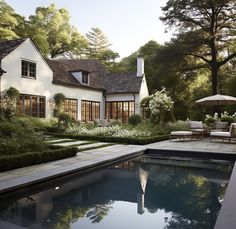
[(7, 47), (62, 69), (100, 79), (121, 83)]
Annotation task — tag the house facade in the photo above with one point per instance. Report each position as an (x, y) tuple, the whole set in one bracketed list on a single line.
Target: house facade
[(91, 91)]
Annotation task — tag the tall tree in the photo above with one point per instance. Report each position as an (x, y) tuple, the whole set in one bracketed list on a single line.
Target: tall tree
[(51, 30), (148, 51), (8, 22), (206, 31), (99, 48)]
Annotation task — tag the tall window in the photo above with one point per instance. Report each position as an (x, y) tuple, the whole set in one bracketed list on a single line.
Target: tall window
[(85, 77), (71, 108), (32, 105), (90, 110), (119, 110), (28, 69)]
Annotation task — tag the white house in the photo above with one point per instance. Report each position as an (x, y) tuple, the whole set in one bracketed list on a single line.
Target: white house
[(91, 91)]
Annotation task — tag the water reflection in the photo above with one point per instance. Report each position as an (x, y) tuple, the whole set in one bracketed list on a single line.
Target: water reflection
[(146, 192)]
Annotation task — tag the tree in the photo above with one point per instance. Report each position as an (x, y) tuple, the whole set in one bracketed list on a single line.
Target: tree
[(206, 31), (10, 102), (159, 103), (8, 22), (99, 48), (50, 29), (148, 51)]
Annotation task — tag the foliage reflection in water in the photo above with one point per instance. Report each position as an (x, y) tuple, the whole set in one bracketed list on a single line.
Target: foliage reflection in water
[(145, 192)]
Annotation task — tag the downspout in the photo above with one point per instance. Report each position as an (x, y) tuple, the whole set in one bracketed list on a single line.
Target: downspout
[(134, 103), (105, 99)]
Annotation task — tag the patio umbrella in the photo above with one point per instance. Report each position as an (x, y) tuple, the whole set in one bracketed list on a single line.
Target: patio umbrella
[(217, 100)]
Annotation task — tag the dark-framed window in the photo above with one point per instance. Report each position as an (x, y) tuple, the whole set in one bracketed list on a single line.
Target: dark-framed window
[(85, 77), (28, 69), (119, 110), (71, 108), (90, 110), (32, 105)]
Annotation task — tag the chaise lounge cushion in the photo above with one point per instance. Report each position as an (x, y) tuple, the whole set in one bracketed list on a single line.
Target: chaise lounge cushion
[(220, 134), (181, 133)]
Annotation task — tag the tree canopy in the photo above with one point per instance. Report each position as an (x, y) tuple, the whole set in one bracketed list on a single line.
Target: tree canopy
[(51, 30), (206, 30), (99, 47)]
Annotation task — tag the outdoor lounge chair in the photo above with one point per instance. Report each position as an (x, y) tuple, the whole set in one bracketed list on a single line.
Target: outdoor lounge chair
[(196, 127), (220, 127), (183, 135), (229, 135)]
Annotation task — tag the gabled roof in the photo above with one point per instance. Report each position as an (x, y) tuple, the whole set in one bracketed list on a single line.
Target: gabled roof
[(121, 83), (7, 47), (62, 69)]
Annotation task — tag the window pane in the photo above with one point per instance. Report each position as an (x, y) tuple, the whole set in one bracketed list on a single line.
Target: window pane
[(71, 108), (32, 105), (90, 110), (28, 69), (119, 110)]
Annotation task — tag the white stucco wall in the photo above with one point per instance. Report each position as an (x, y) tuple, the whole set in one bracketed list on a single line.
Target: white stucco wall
[(42, 85), (143, 89)]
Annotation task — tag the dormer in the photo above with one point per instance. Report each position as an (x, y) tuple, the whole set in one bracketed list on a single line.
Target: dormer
[(81, 76)]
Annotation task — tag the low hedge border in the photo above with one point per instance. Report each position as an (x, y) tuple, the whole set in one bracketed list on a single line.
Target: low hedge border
[(136, 141), (32, 158)]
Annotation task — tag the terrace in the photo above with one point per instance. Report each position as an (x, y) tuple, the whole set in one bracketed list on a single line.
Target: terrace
[(92, 159)]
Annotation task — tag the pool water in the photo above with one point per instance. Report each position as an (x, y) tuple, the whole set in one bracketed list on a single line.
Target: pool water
[(146, 192)]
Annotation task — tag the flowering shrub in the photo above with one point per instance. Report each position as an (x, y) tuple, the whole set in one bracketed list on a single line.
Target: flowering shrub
[(226, 117), (159, 103), (115, 131), (209, 120)]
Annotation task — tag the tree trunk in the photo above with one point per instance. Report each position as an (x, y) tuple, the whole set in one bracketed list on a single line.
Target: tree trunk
[(214, 77)]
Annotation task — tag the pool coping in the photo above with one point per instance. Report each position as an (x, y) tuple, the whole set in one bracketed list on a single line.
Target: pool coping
[(12, 185), (225, 219)]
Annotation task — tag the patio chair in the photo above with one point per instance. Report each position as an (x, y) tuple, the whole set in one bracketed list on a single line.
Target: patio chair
[(197, 127), (229, 135), (220, 127)]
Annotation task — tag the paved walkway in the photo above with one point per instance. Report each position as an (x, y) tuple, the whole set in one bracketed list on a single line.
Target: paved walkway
[(90, 158)]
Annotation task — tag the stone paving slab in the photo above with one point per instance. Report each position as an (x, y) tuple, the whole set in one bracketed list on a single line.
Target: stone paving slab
[(71, 143), (60, 140), (94, 145)]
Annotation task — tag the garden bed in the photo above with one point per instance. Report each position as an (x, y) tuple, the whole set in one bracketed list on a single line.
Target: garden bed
[(14, 161)]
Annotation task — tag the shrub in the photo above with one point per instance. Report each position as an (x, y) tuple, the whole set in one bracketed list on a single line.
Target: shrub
[(227, 118), (160, 103), (135, 119), (145, 106), (178, 125), (209, 120), (9, 102), (32, 158), (128, 140), (114, 122), (116, 131), (19, 138)]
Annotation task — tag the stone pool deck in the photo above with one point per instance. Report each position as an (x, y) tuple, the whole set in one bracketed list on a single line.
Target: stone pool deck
[(9, 180), (18, 178)]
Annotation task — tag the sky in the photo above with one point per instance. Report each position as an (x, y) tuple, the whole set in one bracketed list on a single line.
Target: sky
[(128, 24)]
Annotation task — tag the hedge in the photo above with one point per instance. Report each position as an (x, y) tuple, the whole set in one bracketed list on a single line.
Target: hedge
[(136, 141), (21, 160)]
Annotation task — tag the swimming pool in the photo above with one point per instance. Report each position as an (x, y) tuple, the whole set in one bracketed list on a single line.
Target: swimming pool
[(147, 192)]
